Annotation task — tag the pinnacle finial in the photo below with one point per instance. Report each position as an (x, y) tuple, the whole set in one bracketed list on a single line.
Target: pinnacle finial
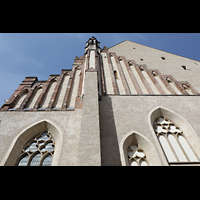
[(92, 43)]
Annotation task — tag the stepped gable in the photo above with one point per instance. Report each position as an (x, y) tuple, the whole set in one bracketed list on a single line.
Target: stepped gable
[(28, 90), (117, 75)]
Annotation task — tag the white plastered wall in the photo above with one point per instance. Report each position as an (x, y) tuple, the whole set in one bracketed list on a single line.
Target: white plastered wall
[(131, 114)]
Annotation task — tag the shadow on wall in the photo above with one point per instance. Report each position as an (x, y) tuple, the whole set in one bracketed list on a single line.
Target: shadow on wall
[(110, 155)]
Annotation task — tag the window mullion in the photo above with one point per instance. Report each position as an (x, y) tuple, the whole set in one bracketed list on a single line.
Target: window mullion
[(175, 135), (172, 149)]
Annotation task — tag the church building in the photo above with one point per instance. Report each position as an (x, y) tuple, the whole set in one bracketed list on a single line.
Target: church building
[(128, 105)]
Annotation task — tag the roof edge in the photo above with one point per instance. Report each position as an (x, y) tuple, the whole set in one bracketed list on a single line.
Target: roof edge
[(155, 49), (119, 43)]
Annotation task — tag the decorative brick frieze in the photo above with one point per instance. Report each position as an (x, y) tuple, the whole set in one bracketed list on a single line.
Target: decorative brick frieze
[(25, 85), (56, 90), (79, 101), (152, 73), (189, 86), (30, 85), (114, 83), (123, 78), (181, 88), (103, 87), (133, 79), (28, 96), (43, 93), (151, 76), (69, 87), (139, 69)]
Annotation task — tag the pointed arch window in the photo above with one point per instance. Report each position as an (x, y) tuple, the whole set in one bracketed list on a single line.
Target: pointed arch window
[(136, 156), (173, 142), (38, 151)]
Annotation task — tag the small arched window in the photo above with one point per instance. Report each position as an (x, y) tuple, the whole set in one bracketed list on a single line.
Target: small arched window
[(20, 99), (173, 141), (136, 156), (38, 151)]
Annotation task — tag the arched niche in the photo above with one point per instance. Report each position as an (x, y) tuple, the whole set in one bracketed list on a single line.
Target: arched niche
[(141, 142), (20, 98), (34, 97), (188, 131), (21, 139)]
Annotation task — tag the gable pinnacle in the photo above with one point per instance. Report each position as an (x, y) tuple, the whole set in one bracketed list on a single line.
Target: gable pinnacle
[(93, 44)]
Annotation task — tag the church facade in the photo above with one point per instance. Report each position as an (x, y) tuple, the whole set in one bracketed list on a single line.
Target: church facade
[(129, 105)]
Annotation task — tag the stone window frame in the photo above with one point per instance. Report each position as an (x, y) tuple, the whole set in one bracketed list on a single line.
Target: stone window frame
[(136, 156), (176, 152), (21, 139), (190, 134), (143, 144), (40, 148)]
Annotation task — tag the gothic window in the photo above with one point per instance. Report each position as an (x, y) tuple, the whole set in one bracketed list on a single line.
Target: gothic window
[(136, 156), (38, 151), (173, 141)]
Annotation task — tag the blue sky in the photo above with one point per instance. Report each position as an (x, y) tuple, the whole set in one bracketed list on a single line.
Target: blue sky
[(42, 54)]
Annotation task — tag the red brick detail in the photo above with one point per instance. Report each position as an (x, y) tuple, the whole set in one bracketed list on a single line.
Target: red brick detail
[(155, 82), (4, 108), (194, 91), (114, 83), (43, 93), (26, 84), (144, 81), (55, 92), (133, 79), (33, 91), (69, 87), (124, 82), (79, 101), (164, 79), (179, 84), (77, 62), (149, 72), (176, 83), (28, 96), (97, 60), (102, 76)]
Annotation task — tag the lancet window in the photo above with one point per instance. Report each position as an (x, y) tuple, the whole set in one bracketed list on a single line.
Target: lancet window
[(38, 151), (173, 141)]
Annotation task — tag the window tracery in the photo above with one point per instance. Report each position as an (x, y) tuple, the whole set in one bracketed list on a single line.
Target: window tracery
[(136, 156), (173, 141), (38, 151)]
